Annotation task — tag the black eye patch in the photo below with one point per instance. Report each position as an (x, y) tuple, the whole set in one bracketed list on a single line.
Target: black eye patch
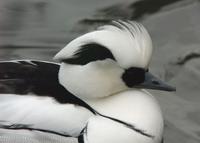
[(88, 53), (133, 76)]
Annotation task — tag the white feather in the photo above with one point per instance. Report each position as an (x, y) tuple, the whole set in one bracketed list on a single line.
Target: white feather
[(96, 79), (24, 136), (103, 130), (99, 84), (130, 48), (136, 107), (43, 113), (30, 61)]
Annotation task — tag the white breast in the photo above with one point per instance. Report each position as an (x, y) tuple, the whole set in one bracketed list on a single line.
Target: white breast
[(136, 107)]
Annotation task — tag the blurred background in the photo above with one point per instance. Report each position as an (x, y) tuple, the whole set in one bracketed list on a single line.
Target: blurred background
[(38, 29)]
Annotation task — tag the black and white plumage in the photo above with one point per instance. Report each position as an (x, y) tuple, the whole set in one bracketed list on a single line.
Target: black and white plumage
[(95, 93), (33, 99)]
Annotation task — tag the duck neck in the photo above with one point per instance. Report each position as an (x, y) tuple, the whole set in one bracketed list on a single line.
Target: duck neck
[(117, 101)]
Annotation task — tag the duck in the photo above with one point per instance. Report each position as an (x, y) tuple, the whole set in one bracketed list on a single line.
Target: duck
[(95, 92)]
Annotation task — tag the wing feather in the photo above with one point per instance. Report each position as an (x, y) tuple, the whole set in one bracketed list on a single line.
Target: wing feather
[(31, 98)]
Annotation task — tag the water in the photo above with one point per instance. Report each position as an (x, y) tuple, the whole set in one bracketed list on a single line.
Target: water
[(43, 24)]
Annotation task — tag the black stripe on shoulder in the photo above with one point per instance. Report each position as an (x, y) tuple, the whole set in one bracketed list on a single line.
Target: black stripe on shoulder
[(83, 134), (22, 77), (130, 126), (81, 139), (28, 127), (89, 53), (38, 77), (162, 141)]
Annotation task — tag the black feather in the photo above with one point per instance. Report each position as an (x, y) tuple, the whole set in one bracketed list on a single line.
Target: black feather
[(133, 76), (28, 127), (128, 125), (40, 78), (89, 53)]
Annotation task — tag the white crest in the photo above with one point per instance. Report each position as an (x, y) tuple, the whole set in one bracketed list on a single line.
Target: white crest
[(128, 41)]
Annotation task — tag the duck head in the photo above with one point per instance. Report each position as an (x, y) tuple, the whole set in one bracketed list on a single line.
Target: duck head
[(112, 59)]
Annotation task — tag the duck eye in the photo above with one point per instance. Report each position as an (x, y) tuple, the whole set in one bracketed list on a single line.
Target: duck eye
[(133, 76), (89, 53)]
